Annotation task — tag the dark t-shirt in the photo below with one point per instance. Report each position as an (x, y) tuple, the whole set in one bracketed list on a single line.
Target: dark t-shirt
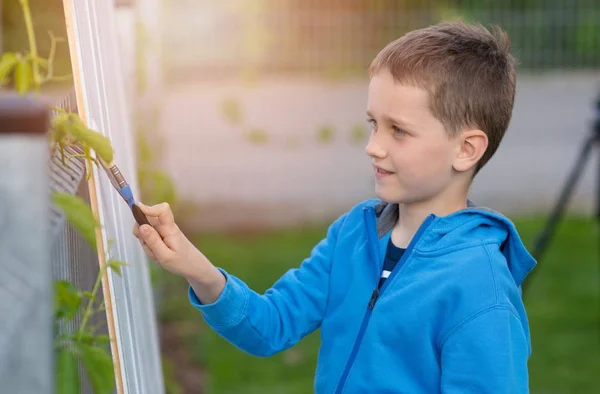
[(392, 256)]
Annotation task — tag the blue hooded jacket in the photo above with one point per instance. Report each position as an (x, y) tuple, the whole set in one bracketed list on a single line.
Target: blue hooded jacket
[(449, 320)]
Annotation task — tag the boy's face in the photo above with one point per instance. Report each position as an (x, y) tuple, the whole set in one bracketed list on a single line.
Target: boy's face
[(411, 152)]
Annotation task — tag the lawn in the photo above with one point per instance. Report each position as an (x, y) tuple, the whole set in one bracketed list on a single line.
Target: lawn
[(563, 306)]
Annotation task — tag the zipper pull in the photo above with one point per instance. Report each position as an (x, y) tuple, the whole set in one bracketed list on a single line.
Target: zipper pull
[(373, 299)]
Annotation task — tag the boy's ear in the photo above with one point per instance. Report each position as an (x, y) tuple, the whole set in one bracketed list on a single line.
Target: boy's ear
[(473, 144)]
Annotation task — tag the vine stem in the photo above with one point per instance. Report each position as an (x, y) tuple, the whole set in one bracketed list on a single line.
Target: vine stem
[(87, 314), (32, 43)]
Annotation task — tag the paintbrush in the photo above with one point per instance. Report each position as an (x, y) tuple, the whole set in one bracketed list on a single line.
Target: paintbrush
[(120, 184)]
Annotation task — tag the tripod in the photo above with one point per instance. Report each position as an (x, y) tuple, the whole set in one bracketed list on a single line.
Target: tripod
[(546, 234)]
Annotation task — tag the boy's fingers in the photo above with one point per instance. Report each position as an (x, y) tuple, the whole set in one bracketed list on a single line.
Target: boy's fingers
[(160, 211), (148, 251), (146, 248), (154, 222), (155, 243), (136, 231)]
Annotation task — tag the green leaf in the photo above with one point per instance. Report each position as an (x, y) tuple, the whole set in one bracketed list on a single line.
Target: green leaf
[(98, 142), (79, 214), (84, 338), (232, 111), (67, 373), (23, 76), (89, 339), (101, 339), (67, 300), (58, 129), (325, 134), (144, 150), (358, 133), (8, 61), (99, 367), (88, 294), (59, 110), (116, 265), (257, 136), (159, 187)]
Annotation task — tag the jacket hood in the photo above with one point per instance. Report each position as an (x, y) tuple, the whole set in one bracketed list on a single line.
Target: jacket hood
[(468, 226)]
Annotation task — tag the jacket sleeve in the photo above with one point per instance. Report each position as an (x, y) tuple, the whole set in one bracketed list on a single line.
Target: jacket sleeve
[(488, 353), (265, 324)]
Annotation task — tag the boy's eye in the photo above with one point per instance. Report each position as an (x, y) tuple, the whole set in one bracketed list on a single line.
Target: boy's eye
[(372, 123), (398, 131)]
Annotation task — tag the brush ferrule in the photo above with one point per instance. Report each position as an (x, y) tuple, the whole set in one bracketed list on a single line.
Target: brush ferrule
[(117, 176)]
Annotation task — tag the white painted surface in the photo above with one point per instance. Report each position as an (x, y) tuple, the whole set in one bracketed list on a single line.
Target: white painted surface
[(108, 111)]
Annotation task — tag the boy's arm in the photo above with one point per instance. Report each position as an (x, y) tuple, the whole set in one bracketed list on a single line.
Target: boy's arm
[(259, 324), (487, 353), (266, 324)]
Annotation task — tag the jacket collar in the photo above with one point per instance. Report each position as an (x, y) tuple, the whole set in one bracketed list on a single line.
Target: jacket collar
[(387, 216)]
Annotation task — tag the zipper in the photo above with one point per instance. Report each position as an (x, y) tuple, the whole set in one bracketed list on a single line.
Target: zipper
[(400, 263), (376, 256), (373, 299)]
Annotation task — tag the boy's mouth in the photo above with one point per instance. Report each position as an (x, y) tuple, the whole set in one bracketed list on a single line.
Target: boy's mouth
[(380, 172)]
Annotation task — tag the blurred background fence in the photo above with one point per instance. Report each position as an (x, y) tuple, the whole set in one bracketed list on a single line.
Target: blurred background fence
[(281, 81), (321, 37), (333, 37)]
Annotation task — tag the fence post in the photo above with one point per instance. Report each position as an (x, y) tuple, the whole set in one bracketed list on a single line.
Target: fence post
[(26, 294)]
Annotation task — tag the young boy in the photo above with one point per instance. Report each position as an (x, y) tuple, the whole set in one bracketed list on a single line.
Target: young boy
[(419, 290)]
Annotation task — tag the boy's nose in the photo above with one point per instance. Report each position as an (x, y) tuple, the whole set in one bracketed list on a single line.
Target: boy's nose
[(373, 149)]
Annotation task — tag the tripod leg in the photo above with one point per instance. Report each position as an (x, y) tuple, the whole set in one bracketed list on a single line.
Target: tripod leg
[(598, 206), (542, 241), (598, 192)]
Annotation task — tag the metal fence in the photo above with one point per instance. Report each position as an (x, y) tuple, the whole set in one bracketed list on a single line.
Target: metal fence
[(341, 37), (72, 258)]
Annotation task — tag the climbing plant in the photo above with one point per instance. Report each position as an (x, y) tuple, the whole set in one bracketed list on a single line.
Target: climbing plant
[(26, 72)]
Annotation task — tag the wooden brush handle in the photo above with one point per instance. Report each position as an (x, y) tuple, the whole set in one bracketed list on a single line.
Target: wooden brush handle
[(139, 216)]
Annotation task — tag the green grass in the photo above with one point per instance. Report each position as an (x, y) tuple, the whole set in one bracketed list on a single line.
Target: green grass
[(562, 305), (563, 308)]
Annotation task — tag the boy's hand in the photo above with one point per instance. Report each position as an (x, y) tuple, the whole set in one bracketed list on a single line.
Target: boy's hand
[(167, 245)]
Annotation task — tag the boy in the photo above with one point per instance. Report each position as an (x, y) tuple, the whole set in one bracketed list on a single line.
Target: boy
[(418, 291)]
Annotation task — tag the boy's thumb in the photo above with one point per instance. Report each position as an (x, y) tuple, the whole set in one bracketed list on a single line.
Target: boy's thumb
[(155, 243)]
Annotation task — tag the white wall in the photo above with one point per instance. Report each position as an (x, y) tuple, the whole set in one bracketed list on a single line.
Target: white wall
[(293, 177)]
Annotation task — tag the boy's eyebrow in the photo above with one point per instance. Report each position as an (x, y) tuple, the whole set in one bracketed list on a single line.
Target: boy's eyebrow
[(389, 119)]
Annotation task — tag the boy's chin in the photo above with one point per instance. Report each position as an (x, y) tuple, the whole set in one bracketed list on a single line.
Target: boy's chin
[(395, 195), (390, 196)]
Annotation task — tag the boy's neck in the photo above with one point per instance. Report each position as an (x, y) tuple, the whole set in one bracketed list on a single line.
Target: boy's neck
[(412, 215)]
